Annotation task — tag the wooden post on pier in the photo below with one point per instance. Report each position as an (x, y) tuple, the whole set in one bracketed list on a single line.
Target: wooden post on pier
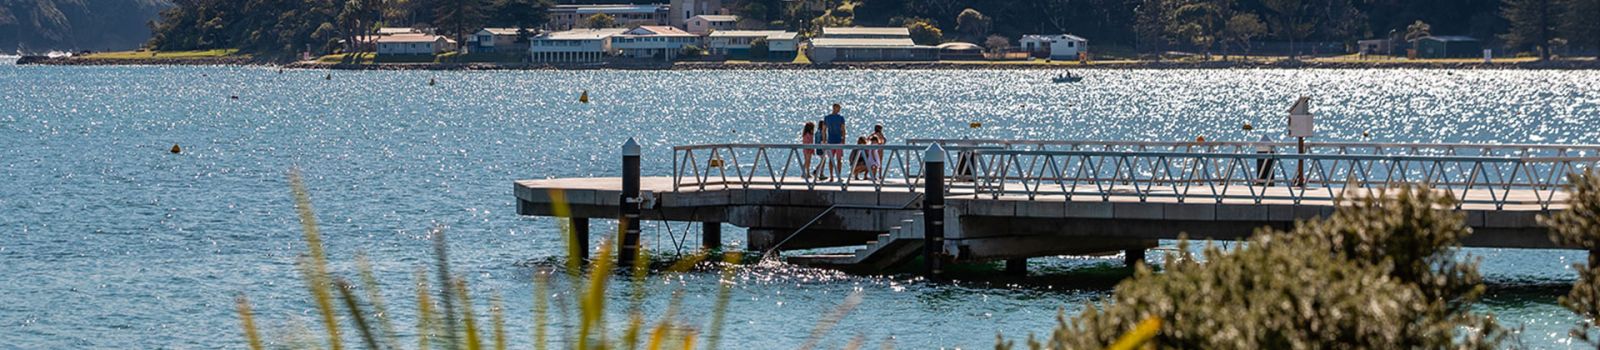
[(628, 218), (933, 211), (711, 235), (580, 237)]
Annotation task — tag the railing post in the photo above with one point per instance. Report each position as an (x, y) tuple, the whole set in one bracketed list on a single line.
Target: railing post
[(628, 220), (933, 211)]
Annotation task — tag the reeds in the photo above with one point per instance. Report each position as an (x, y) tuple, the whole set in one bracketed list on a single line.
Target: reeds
[(446, 318)]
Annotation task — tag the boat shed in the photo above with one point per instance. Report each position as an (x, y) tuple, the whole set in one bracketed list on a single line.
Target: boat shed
[(828, 50), (1449, 46)]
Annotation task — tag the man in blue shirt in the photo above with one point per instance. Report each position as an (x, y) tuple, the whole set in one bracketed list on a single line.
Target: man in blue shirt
[(836, 136)]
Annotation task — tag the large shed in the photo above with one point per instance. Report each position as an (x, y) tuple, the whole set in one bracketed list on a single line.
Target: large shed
[(1449, 46)]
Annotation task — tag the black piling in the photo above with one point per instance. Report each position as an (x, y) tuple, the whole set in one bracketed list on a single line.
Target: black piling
[(628, 219), (580, 237), (933, 211), (711, 235)]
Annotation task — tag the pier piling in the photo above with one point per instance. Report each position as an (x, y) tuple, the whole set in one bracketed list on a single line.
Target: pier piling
[(580, 237), (933, 211), (1133, 257), (628, 220), (1017, 267), (711, 235)]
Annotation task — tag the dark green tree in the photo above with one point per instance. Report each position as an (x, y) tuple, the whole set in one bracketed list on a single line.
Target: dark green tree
[(458, 18), (973, 24), (521, 14), (1581, 23), (1533, 24), (599, 20), (924, 32), (1240, 30)]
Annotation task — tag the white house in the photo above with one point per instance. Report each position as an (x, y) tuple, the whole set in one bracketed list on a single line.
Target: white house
[(414, 44), (737, 42), (660, 42), (577, 45), (705, 24), (494, 40), (1060, 47)]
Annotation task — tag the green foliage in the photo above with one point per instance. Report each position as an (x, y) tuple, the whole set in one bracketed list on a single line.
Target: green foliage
[(924, 32), (996, 43), (973, 24), (1579, 226), (43, 25), (599, 20), (1240, 29), (760, 49), (459, 18), (1533, 24), (1378, 274), (1578, 23), (520, 13)]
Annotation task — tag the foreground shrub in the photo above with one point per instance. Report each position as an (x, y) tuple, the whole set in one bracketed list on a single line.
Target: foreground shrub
[(1579, 226), (1378, 274)]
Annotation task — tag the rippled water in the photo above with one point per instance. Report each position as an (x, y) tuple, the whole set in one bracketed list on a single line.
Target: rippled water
[(106, 240)]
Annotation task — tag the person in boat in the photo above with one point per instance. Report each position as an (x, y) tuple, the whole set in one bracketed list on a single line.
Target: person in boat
[(808, 135), (834, 123)]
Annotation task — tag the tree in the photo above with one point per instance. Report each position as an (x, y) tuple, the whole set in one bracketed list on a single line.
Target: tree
[(1197, 23), (1290, 20), (924, 32), (973, 24), (358, 20), (1580, 24), (1533, 24), (1417, 31), (521, 14), (760, 49), (1239, 30), (458, 18), (1579, 226), (1381, 273), (1150, 24), (997, 44), (599, 20)]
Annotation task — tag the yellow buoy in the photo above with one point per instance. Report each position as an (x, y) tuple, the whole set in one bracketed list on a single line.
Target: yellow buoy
[(974, 125), (176, 149), (584, 97), (1248, 127)]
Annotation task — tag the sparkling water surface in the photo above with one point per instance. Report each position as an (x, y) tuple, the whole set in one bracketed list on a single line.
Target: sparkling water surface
[(109, 241)]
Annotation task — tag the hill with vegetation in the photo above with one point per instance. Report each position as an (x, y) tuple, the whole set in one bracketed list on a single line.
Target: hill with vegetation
[(46, 25)]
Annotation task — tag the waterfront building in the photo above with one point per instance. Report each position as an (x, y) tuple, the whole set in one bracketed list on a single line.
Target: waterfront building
[(1060, 47), (683, 10), (565, 17), (868, 44), (1449, 46), (414, 44), (736, 43), (655, 42), (960, 51), (577, 45), (705, 24), (495, 40)]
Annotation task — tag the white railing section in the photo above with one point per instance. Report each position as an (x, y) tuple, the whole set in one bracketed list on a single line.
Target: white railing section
[(1497, 175)]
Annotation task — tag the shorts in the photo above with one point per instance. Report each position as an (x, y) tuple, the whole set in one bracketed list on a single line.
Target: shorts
[(809, 152), (838, 153)]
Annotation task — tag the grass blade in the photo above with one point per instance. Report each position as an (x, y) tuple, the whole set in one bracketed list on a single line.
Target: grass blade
[(248, 321), (832, 319), (592, 306), (447, 298), (369, 282), (497, 309), (541, 308), (425, 316), (316, 271), (353, 305), (473, 343), (719, 312)]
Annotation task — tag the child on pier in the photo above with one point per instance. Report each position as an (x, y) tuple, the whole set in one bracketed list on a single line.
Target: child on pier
[(808, 136)]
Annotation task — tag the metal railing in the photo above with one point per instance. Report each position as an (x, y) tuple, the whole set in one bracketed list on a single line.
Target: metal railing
[(1339, 148), (1497, 175)]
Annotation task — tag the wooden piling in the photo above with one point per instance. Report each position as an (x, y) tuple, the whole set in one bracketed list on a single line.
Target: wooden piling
[(933, 211), (628, 218)]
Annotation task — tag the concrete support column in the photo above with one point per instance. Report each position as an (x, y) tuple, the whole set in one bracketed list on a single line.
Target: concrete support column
[(628, 220), (1133, 257), (1017, 267), (711, 235), (580, 238), (933, 212)]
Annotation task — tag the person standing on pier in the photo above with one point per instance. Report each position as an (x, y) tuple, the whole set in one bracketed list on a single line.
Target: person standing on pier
[(808, 136), (821, 137), (834, 125)]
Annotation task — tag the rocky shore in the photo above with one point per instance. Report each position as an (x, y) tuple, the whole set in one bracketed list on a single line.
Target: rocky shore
[(709, 65)]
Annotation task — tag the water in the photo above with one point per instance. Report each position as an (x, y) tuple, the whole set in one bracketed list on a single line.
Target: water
[(109, 241)]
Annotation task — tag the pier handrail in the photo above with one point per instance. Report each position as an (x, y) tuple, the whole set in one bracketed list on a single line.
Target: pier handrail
[(1277, 146), (1217, 175)]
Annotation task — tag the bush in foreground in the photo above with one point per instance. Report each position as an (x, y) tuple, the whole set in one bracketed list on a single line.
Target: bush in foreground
[(1378, 274)]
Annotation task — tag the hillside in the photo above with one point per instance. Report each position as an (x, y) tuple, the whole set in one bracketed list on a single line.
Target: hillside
[(45, 25)]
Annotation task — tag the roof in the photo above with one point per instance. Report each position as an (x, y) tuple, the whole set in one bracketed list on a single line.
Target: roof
[(593, 9), (412, 38), (769, 34), (501, 31), (719, 18), (864, 43), (1054, 37), (1457, 38), (960, 46), (395, 30), (581, 34), (658, 31), (886, 31)]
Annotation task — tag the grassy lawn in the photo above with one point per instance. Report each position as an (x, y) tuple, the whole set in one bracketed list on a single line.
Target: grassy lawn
[(129, 55), (364, 58)]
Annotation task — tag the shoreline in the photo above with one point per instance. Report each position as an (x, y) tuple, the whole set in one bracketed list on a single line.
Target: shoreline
[(1588, 64)]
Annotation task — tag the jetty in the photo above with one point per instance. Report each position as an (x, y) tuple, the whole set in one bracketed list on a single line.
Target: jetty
[(944, 201)]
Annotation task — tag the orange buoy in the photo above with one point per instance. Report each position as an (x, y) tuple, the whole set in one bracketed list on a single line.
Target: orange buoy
[(584, 98), (176, 149)]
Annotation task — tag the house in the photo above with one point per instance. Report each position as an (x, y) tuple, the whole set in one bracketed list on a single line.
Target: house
[(866, 32), (565, 17), (414, 44), (704, 24), (495, 40), (1386, 47), (683, 10), (1060, 47), (1448, 46), (736, 43), (577, 45), (654, 42)]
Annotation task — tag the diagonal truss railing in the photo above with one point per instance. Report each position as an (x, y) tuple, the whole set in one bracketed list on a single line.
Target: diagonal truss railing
[(1492, 175)]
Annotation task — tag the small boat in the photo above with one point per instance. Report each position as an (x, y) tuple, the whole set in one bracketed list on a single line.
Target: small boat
[(1067, 78)]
